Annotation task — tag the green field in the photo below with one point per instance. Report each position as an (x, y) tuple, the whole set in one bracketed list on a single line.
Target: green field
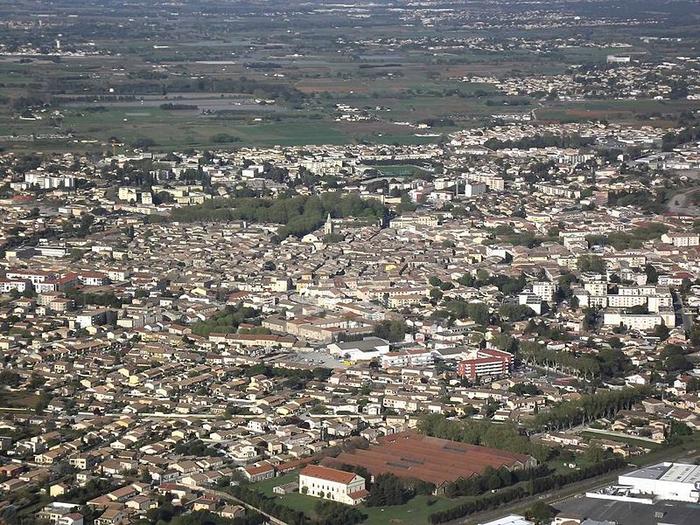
[(173, 129), (414, 90), (646, 112)]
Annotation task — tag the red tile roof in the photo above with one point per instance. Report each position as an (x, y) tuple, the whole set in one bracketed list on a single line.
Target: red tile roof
[(359, 494), (329, 474), (411, 455), (259, 469)]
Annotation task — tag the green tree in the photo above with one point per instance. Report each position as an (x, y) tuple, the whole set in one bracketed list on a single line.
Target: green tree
[(540, 512), (591, 263), (391, 330), (387, 489)]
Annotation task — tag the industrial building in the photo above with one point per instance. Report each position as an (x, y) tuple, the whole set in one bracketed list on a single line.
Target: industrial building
[(665, 481)]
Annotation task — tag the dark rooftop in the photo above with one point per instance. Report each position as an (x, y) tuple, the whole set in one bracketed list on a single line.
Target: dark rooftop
[(624, 513)]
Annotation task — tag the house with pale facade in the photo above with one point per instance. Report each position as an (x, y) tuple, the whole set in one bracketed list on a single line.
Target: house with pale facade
[(333, 484)]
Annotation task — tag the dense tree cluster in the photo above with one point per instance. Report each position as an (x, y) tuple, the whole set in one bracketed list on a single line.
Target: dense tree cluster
[(588, 408), (548, 331), (10, 378), (387, 489), (508, 235), (481, 432), (225, 321), (332, 513), (100, 299), (493, 479), (672, 139), (642, 199), (296, 378), (203, 517), (607, 363), (629, 240), (391, 330), (196, 447), (540, 512), (532, 487), (477, 312), (513, 312), (674, 360), (92, 489), (525, 389), (275, 90), (299, 215), (586, 366), (591, 263), (504, 283)]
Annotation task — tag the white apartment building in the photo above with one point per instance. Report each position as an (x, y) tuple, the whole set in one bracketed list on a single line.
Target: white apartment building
[(681, 239), (34, 276), (626, 301), (474, 189), (544, 290), (413, 220), (596, 287), (639, 321), (558, 191), (7, 285), (47, 181), (418, 357), (493, 182)]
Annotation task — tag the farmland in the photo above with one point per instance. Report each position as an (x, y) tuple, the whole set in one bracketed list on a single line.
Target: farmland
[(248, 79)]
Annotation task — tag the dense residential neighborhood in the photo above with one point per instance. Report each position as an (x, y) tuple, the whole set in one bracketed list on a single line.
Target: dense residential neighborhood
[(308, 263), (182, 324)]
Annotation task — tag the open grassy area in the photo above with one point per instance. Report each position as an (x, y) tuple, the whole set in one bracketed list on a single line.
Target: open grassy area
[(175, 129), (412, 89), (415, 512), (294, 500), (19, 400)]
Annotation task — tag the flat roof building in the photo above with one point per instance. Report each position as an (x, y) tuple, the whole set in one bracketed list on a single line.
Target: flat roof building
[(665, 481)]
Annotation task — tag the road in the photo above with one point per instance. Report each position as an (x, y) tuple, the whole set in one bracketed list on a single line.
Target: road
[(228, 497)]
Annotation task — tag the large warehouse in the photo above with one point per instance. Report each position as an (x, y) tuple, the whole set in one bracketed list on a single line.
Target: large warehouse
[(665, 481), (438, 461)]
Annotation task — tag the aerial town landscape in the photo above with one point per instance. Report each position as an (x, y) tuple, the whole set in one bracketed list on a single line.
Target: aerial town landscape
[(317, 263)]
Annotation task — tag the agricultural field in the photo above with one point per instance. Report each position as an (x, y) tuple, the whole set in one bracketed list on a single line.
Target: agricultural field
[(252, 78)]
